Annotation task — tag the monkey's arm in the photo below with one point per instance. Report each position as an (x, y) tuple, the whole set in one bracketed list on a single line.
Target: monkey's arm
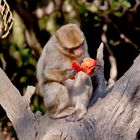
[(57, 75)]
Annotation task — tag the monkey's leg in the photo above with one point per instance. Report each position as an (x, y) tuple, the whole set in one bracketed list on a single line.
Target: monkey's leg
[(81, 106), (83, 97), (82, 102), (57, 100)]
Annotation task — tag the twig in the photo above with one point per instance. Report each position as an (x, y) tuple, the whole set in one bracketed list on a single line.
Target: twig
[(46, 10), (99, 84), (124, 37), (112, 60)]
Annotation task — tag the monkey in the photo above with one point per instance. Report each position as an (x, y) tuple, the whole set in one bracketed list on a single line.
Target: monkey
[(65, 92)]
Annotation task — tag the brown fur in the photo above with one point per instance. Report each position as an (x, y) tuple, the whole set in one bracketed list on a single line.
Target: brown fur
[(62, 95), (70, 38)]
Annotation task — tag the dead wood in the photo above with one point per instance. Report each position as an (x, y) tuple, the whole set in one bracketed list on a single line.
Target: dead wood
[(113, 115)]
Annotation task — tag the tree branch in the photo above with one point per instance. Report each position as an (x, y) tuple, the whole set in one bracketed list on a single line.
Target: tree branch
[(115, 116), (16, 106)]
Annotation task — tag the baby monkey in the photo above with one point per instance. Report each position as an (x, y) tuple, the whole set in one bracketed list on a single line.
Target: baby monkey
[(65, 92)]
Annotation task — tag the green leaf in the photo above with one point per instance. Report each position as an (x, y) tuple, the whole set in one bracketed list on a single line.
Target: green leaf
[(23, 79), (25, 54), (126, 4), (82, 9), (97, 18), (92, 8), (115, 3), (117, 14)]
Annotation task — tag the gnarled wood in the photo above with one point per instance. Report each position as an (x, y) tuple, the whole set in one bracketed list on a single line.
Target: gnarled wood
[(114, 115)]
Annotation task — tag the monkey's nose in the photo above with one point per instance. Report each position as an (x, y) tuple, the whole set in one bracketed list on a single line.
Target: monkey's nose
[(78, 52)]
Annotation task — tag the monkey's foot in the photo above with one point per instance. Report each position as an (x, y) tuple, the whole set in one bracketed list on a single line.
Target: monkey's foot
[(72, 118), (76, 116), (69, 110), (66, 112)]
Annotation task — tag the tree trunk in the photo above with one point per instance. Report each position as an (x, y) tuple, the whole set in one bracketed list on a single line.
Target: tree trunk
[(113, 115)]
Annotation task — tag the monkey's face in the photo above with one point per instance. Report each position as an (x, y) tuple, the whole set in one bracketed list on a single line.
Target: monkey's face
[(73, 51), (71, 40), (76, 52)]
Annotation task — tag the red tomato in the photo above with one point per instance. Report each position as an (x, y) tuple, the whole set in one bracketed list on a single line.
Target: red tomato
[(87, 65), (76, 66)]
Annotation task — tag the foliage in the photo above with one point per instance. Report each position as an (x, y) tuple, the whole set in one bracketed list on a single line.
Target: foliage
[(115, 22)]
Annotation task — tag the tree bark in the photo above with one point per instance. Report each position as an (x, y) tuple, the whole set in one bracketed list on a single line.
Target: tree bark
[(113, 115)]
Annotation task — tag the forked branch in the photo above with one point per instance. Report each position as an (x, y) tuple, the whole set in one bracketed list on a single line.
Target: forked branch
[(115, 115)]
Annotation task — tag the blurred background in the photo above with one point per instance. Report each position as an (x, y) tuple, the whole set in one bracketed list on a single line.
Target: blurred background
[(114, 22)]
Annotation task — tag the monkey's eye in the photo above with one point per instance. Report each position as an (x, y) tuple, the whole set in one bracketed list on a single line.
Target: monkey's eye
[(72, 49), (77, 47)]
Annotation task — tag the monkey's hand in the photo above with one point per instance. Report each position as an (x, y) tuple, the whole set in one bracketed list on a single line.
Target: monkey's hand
[(70, 73), (58, 75)]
